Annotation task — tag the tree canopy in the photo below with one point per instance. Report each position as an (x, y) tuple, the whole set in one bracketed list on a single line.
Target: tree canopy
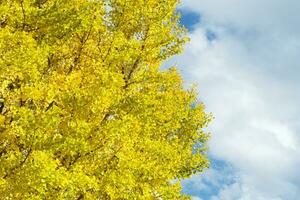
[(85, 111)]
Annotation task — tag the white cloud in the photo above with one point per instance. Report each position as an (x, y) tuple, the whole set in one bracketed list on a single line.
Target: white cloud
[(229, 192), (248, 78), (196, 198), (277, 15)]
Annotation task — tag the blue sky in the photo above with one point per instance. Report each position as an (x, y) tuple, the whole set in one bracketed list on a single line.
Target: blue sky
[(244, 55), (190, 19)]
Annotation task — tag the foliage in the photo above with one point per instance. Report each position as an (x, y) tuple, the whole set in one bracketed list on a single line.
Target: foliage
[(86, 113)]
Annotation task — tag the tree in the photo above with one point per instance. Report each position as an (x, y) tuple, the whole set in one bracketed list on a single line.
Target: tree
[(86, 113)]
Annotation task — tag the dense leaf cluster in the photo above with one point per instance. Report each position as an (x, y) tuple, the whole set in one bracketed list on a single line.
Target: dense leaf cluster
[(85, 112)]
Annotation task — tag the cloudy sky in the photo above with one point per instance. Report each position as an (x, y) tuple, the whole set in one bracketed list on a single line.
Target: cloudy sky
[(244, 55)]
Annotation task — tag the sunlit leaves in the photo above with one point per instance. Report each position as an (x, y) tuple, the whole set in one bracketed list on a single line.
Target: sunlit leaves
[(85, 111)]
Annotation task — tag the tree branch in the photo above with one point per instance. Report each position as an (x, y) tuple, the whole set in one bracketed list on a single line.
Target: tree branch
[(137, 61), (83, 41), (51, 105), (12, 171), (24, 15)]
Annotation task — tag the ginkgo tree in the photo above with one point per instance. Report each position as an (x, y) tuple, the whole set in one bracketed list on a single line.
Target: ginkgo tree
[(85, 111)]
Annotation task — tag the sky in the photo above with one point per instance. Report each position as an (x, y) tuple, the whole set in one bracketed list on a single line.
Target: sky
[(244, 57)]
